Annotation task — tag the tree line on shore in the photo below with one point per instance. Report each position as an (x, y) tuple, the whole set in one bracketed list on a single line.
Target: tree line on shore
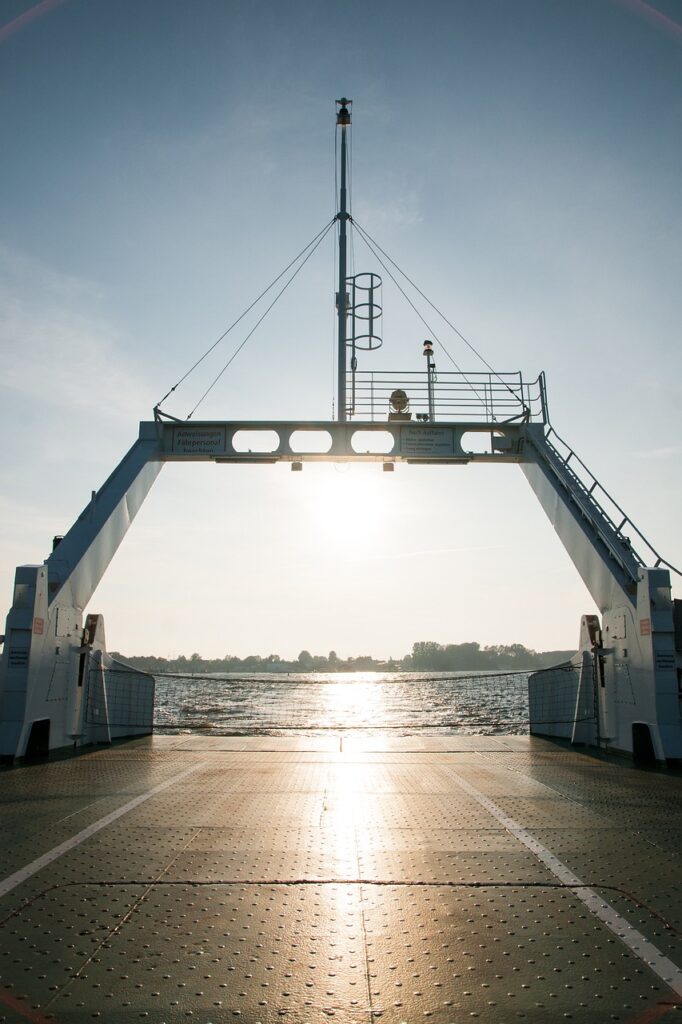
[(426, 656)]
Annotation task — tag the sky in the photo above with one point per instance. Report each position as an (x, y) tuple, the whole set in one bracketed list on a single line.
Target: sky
[(163, 161)]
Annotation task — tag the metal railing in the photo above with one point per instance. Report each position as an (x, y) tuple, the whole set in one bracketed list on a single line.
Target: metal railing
[(409, 703), (468, 397), (119, 697), (602, 507)]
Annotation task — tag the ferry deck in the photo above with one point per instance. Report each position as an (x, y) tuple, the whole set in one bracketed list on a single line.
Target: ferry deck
[(309, 879)]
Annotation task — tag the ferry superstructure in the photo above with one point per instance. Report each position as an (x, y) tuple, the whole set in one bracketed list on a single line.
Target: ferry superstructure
[(270, 879)]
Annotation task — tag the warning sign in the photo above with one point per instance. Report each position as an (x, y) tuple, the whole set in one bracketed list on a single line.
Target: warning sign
[(199, 440), (39, 626), (645, 627), (427, 442), (665, 661)]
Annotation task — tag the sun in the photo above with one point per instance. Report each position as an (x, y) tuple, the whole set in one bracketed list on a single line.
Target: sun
[(347, 503)]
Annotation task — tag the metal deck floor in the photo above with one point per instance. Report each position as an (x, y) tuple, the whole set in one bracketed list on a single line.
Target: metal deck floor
[(303, 879)]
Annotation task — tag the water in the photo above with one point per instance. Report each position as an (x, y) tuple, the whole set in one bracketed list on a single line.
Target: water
[(375, 702)]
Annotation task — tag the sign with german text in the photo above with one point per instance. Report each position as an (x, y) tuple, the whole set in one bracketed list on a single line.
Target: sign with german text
[(199, 440), (665, 661), (427, 442)]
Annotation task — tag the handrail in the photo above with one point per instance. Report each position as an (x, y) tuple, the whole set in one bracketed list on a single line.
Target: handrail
[(475, 397), (589, 490)]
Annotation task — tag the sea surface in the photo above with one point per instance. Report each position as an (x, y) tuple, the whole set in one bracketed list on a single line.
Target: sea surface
[(372, 702)]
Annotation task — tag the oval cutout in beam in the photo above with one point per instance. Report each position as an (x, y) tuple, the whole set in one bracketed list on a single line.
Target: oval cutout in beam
[(245, 441), (477, 442), (310, 442), (372, 442)]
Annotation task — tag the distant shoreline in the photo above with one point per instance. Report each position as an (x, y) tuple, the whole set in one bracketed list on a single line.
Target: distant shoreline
[(426, 656)]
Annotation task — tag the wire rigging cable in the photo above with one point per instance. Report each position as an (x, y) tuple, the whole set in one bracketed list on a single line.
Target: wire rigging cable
[(369, 242), (367, 238), (316, 239)]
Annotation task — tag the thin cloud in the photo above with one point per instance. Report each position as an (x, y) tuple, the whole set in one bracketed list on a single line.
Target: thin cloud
[(660, 453), (62, 358), (32, 14), (21, 519), (401, 211), (654, 17), (398, 555), (428, 552), (59, 352)]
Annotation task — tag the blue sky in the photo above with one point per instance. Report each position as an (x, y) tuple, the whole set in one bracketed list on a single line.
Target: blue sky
[(162, 161)]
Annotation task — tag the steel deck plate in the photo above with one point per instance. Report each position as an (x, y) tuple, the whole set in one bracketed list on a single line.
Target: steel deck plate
[(364, 881)]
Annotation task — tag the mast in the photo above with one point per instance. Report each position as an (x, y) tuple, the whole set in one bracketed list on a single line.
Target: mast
[(343, 122)]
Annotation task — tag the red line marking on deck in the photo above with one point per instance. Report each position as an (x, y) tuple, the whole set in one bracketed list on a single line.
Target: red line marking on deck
[(654, 1013), (20, 1007)]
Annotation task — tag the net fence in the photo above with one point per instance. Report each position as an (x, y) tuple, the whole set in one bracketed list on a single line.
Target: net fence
[(280, 703), (119, 696)]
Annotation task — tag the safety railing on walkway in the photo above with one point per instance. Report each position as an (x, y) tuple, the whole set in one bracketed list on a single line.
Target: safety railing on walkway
[(603, 509), (468, 397)]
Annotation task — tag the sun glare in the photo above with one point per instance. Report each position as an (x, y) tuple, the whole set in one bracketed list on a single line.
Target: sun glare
[(349, 503), (355, 699)]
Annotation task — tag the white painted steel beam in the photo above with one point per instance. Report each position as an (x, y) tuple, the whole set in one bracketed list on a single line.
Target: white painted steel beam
[(333, 441), (77, 565)]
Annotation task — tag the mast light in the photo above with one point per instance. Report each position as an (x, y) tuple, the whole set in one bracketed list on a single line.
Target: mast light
[(343, 113)]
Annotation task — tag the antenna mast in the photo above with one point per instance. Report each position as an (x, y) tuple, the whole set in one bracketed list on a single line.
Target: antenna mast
[(343, 122)]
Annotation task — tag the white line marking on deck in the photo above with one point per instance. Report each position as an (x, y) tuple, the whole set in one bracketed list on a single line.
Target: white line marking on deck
[(660, 964), (12, 881), (80, 810)]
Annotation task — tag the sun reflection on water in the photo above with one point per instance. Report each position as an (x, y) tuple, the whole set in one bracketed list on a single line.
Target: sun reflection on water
[(355, 701), (353, 704)]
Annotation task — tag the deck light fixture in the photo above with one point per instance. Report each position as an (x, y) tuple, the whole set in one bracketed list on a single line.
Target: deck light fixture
[(399, 400)]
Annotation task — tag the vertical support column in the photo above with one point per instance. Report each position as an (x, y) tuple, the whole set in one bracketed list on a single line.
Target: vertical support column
[(343, 121), (430, 379)]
